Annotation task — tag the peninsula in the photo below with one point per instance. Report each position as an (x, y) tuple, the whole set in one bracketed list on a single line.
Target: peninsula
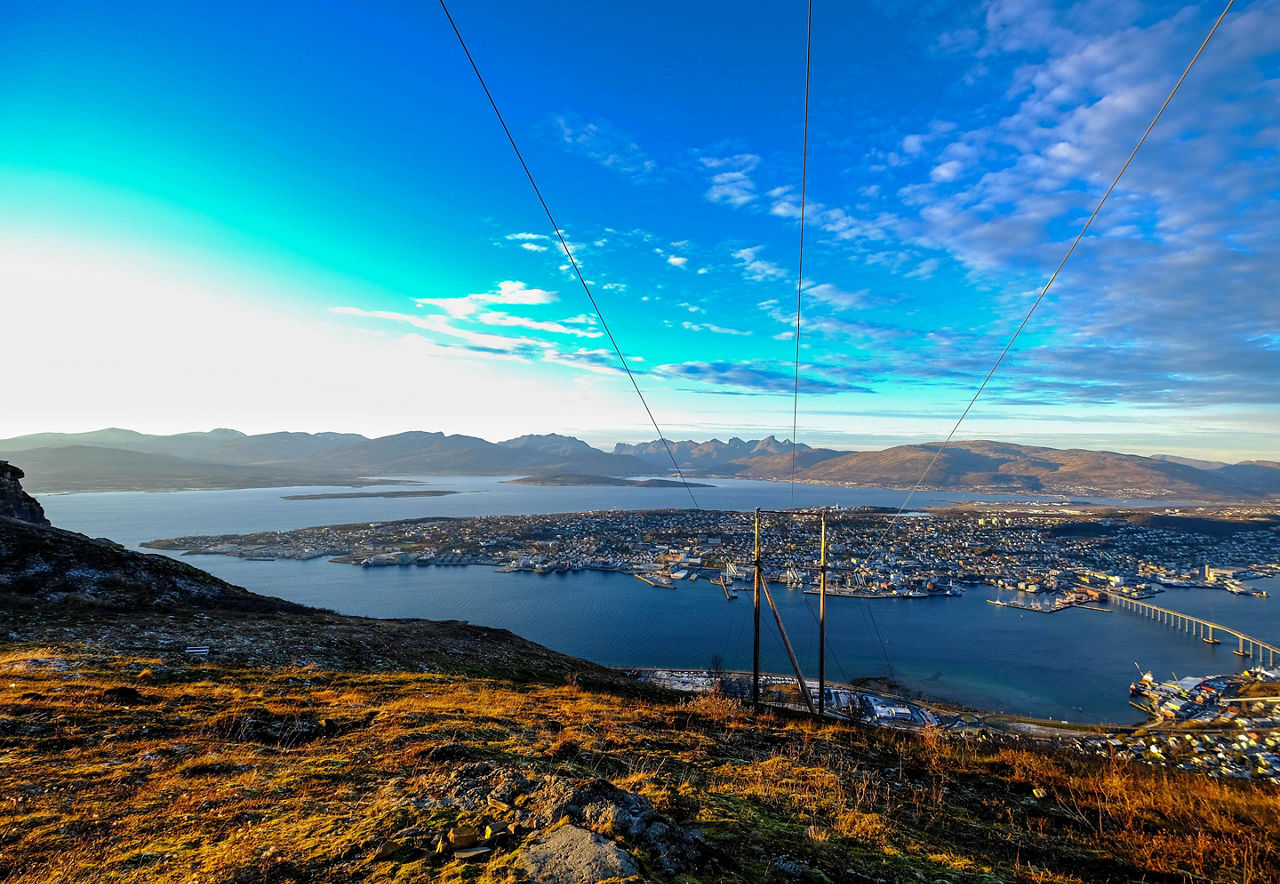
[(350, 495), (586, 480)]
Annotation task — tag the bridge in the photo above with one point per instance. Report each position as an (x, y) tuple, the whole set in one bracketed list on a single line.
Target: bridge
[(1246, 645)]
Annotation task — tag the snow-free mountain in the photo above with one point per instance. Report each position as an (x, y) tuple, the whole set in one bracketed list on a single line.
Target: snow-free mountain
[(117, 460)]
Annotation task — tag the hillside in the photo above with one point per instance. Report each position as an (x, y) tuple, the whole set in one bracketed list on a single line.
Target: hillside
[(147, 766), (122, 460), (765, 458), (997, 466), (74, 468)]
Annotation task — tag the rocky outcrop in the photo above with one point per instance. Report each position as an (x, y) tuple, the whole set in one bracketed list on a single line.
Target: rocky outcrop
[(14, 502), (40, 565), (572, 830)]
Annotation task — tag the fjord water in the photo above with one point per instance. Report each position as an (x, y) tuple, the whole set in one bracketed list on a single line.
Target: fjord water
[(1072, 665)]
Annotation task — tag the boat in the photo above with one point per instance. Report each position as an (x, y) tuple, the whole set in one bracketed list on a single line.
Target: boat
[(1142, 685)]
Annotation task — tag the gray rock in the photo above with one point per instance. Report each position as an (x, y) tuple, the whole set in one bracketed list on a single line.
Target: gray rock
[(16, 503), (603, 807), (571, 855)]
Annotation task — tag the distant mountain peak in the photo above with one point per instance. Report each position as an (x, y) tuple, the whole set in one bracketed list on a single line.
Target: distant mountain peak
[(549, 443)]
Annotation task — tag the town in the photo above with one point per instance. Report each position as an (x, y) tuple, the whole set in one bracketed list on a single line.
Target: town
[(1031, 550)]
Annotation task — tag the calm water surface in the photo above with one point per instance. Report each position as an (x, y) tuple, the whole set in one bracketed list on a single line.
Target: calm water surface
[(1072, 665)]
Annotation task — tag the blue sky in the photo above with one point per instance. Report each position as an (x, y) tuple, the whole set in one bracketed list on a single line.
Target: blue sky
[(304, 216)]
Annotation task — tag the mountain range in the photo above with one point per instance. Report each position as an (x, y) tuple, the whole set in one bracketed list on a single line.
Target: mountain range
[(117, 460)]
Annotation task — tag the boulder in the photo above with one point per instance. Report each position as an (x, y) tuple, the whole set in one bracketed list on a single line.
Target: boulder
[(572, 855), (604, 808)]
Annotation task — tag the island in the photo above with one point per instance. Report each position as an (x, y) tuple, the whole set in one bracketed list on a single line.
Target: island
[(586, 479), (347, 495)]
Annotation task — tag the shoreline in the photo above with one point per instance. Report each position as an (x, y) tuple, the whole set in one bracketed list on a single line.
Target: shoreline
[(881, 686)]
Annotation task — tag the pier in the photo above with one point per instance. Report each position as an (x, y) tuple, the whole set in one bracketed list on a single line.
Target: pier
[(1246, 645)]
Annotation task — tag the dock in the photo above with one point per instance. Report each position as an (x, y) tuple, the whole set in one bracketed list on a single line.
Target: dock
[(660, 582)]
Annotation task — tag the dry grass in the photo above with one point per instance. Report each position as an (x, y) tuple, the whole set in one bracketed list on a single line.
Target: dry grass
[(221, 774)]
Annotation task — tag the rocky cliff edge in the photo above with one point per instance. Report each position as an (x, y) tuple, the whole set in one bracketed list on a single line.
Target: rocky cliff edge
[(16, 503)]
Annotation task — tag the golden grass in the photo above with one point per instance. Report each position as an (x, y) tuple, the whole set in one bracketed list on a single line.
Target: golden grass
[(296, 774)]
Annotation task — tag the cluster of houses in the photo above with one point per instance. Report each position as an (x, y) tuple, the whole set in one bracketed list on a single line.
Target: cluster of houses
[(1240, 753), (1050, 550)]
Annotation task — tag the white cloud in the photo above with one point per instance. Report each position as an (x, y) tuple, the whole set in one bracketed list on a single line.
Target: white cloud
[(757, 269), (732, 186), (508, 292), (608, 146), (834, 296), (713, 328), (533, 246), (948, 171), (494, 317), (597, 361), (677, 260), (742, 162), (925, 269), (501, 345)]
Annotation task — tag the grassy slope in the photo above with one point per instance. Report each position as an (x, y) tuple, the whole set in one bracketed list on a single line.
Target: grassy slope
[(232, 773)]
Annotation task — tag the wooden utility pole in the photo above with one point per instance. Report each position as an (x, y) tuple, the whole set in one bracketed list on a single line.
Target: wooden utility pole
[(755, 640), (822, 620)]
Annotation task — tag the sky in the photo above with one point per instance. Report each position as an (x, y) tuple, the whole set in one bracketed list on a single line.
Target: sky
[(305, 216)]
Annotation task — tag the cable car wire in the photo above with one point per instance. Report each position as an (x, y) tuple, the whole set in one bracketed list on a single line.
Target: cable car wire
[(569, 254)]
